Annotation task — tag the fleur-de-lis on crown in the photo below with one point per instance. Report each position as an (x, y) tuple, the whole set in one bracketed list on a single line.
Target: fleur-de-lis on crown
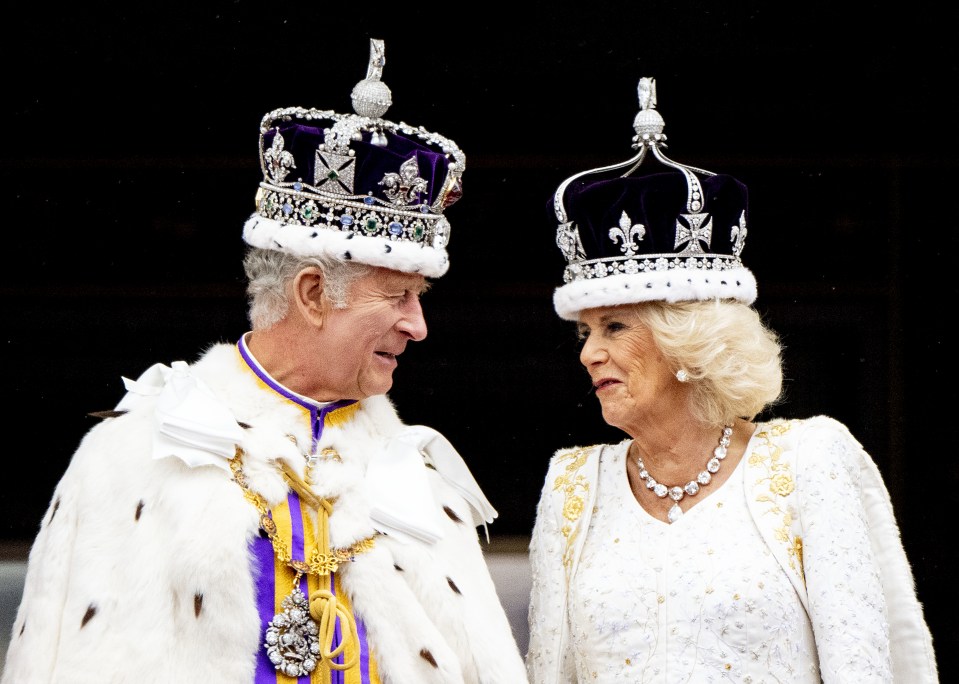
[(738, 235), (627, 233), (404, 187), (698, 228), (278, 161)]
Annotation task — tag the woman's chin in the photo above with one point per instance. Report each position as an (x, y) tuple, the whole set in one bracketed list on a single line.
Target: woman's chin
[(611, 415)]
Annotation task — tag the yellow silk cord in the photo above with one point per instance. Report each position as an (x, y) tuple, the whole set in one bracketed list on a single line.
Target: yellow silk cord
[(325, 607)]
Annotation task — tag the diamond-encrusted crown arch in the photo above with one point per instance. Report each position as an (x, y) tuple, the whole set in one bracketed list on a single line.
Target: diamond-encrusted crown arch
[(569, 242)]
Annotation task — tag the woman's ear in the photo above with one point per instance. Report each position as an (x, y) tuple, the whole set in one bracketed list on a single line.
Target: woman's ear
[(309, 296)]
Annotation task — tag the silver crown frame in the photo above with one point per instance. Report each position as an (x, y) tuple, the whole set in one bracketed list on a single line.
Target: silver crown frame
[(696, 227)]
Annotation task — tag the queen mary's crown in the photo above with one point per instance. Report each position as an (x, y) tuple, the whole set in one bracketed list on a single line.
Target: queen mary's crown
[(674, 233), (356, 187)]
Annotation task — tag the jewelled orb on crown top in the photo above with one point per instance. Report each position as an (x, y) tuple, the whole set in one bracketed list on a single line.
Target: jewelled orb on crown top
[(648, 123), (371, 97)]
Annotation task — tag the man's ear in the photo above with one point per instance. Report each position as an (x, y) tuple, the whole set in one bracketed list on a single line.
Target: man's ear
[(309, 296)]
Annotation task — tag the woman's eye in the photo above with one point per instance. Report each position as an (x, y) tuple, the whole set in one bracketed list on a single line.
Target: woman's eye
[(614, 327)]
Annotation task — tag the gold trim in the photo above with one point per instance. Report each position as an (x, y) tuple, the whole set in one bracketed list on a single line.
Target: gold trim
[(575, 489), (782, 483)]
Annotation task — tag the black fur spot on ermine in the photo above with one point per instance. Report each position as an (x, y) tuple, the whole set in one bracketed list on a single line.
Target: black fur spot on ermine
[(56, 507), (428, 657)]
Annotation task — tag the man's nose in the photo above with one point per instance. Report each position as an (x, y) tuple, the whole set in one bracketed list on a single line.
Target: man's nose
[(413, 322)]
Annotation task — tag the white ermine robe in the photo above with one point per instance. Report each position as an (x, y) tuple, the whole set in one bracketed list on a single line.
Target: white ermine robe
[(142, 570)]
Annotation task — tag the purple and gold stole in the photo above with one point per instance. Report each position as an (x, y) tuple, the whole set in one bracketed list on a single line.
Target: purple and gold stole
[(274, 580)]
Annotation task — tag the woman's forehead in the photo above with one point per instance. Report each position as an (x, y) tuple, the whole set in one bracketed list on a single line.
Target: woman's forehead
[(604, 313)]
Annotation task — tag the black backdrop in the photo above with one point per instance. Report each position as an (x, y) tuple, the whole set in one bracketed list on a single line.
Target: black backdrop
[(129, 165)]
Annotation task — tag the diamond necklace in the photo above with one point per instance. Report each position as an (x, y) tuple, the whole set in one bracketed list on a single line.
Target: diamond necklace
[(676, 493)]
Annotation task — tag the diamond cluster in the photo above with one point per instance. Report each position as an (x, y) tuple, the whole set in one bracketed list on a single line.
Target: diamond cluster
[(600, 268)]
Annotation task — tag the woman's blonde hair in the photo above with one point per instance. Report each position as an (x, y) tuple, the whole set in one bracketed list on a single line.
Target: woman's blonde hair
[(733, 362)]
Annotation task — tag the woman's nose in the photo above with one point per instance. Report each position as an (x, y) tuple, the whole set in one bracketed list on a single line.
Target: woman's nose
[(591, 352)]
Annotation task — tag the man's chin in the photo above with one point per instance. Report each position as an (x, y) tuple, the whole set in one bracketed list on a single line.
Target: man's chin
[(380, 386)]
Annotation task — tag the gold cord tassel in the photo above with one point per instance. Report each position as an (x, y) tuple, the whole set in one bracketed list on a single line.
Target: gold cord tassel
[(325, 608)]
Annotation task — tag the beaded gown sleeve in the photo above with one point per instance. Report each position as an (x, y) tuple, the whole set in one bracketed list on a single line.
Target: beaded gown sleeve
[(562, 518), (865, 614), (545, 660)]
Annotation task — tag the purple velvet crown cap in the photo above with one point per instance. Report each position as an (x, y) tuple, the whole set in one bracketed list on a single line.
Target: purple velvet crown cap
[(656, 202), (356, 187), (672, 234), (372, 162)]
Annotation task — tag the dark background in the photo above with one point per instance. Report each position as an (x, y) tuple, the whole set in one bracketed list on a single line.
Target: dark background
[(129, 166)]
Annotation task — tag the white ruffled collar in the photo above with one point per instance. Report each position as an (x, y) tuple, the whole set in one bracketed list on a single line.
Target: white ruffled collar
[(195, 426)]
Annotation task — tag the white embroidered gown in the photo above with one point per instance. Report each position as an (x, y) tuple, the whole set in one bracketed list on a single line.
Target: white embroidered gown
[(660, 602), (705, 599)]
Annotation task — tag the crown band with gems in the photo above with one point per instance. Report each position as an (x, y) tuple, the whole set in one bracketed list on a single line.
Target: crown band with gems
[(355, 186), (660, 236)]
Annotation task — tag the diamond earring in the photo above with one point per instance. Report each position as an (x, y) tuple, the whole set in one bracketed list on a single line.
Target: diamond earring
[(682, 375)]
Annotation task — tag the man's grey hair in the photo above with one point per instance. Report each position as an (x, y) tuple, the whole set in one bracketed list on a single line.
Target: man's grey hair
[(270, 273)]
